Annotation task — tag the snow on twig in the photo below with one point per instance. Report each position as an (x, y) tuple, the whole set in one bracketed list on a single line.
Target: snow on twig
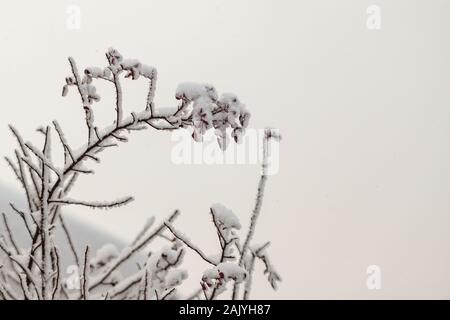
[(34, 272), (94, 204), (188, 243)]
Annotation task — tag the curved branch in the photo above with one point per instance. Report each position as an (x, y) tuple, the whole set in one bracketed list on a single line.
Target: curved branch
[(94, 205)]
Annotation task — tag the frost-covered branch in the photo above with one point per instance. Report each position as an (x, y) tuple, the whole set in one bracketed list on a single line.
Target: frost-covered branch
[(188, 243), (130, 251), (268, 135), (144, 230), (94, 204), (35, 271), (9, 233), (85, 277)]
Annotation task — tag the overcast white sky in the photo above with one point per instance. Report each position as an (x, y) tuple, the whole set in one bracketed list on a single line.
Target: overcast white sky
[(365, 114)]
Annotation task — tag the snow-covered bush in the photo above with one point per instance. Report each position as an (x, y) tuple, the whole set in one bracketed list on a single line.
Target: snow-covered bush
[(35, 271)]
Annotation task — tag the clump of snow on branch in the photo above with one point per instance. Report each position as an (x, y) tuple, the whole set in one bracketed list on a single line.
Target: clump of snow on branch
[(225, 217), (218, 276), (208, 111), (105, 254)]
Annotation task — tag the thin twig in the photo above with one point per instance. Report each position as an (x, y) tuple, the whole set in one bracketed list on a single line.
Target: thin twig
[(188, 243), (144, 230), (58, 272), (85, 283), (10, 235), (168, 294), (67, 150), (94, 205), (258, 205)]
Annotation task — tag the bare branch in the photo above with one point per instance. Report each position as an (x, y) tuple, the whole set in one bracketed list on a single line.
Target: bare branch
[(28, 192), (34, 169), (44, 223), (25, 152), (24, 218), (13, 168), (43, 158), (84, 99), (164, 297), (118, 87)]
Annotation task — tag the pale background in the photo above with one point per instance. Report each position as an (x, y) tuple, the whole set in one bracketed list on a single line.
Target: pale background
[(365, 115)]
